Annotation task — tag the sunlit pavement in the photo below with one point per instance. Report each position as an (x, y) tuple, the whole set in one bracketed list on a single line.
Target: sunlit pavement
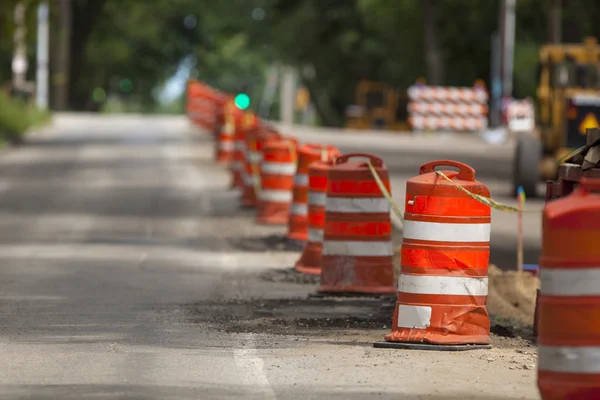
[(112, 226)]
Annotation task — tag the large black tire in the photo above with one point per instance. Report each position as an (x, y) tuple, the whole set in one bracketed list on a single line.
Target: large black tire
[(528, 155)]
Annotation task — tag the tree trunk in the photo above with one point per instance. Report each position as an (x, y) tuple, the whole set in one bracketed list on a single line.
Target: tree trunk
[(60, 56), (433, 56), (85, 15)]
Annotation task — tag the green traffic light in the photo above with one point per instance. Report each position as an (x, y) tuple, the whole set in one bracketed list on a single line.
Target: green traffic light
[(242, 101)]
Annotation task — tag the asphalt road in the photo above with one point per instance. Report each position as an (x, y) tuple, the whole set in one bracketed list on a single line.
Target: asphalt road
[(118, 274)]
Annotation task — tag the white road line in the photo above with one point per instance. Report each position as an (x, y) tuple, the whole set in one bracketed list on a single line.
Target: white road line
[(251, 368)]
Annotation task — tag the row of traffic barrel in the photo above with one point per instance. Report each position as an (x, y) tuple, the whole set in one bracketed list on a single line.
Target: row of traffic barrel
[(338, 206)]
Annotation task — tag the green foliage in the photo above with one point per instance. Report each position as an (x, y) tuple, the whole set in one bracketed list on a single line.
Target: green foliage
[(17, 117), (333, 43)]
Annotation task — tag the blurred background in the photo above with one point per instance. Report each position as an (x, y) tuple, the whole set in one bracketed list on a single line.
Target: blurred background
[(136, 55)]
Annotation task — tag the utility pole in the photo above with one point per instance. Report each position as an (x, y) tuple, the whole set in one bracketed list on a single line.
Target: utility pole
[(19, 61), (555, 22), (42, 57), (61, 40), (507, 44), (496, 78), (269, 92), (508, 47), (287, 95)]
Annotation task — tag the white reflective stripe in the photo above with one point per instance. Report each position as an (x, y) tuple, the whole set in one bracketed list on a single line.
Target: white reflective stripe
[(276, 196), (301, 180), (317, 198), (357, 249), (315, 235), (357, 205), (254, 157), (237, 165), (446, 232), (299, 209), (443, 285), (570, 282), (414, 316), (226, 146), (569, 359), (278, 168)]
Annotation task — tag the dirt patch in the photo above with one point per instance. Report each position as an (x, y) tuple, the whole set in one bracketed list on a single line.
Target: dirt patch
[(310, 316), (267, 243), (511, 295), (332, 319), (289, 276)]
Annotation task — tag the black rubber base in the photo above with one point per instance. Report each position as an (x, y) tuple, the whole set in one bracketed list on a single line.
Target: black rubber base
[(355, 295), (426, 346)]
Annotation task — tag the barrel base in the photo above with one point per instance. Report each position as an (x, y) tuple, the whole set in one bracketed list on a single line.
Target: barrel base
[(310, 261), (248, 198), (408, 336), (357, 274), (273, 214), (298, 228), (428, 346), (327, 289), (298, 236), (384, 296), (237, 182), (308, 270)]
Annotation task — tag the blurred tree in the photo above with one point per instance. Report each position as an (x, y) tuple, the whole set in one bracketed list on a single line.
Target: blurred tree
[(130, 48), (433, 58)]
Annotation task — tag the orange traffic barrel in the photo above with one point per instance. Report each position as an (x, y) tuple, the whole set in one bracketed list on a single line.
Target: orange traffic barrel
[(569, 302), (443, 283), (224, 146), (357, 237), (194, 102), (310, 260), (219, 118), (307, 154), (277, 171), (255, 140), (247, 123)]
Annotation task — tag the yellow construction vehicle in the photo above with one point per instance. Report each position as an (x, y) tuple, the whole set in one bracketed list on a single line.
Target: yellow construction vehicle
[(377, 106), (568, 102)]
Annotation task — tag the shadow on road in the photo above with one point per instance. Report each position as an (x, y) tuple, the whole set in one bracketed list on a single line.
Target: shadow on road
[(209, 390)]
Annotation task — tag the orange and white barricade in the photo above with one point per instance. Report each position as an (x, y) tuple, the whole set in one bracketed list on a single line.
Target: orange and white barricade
[(277, 171), (447, 108), (310, 260), (249, 123), (224, 145), (307, 154), (443, 282), (217, 112), (357, 238), (255, 140), (194, 94), (521, 115), (569, 302)]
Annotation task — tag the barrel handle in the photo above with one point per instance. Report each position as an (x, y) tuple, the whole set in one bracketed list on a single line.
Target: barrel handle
[(376, 161), (465, 172), (587, 185)]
